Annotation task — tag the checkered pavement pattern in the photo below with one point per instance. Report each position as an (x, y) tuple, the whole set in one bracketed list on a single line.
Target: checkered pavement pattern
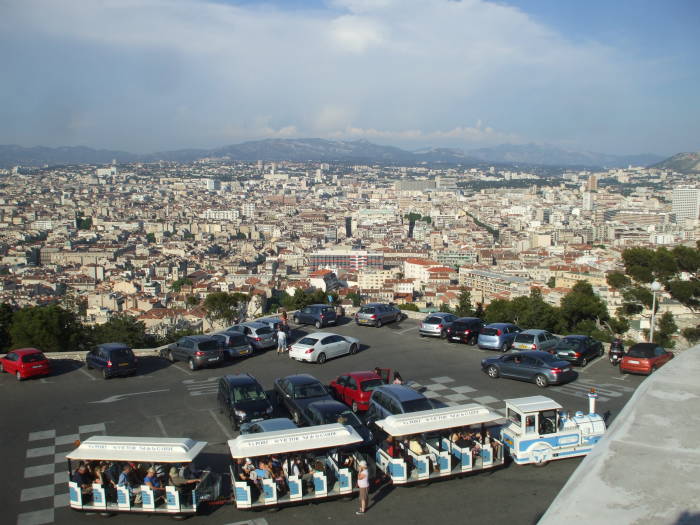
[(445, 390), (45, 483)]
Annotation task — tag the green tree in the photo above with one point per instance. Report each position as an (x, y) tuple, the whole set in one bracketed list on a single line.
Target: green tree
[(123, 329), (177, 285), (534, 312), (223, 306), (444, 307), (499, 311), (355, 298), (664, 330), (552, 282), (464, 305), (191, 300), (49, 328), (6, 313), (479, 311), (409, 307), (151, 237), (692, 334), (581, 310), (618, 280)]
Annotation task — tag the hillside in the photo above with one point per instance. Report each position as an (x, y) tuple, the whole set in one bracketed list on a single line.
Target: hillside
[(682, 163)]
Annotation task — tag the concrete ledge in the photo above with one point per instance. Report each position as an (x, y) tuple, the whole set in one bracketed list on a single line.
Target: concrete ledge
[(646, 469)]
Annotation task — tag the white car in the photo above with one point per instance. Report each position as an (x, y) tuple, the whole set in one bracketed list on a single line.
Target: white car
[(319, 346)]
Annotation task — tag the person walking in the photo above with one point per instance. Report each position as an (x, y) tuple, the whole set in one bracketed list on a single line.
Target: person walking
[(363, 485), (281, 339)]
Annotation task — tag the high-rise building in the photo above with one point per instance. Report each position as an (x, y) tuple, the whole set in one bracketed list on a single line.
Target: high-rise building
[(588, 201), (351, 260), (686, 203)]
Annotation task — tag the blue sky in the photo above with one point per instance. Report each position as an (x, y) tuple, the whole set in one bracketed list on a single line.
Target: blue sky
[(143, 75)]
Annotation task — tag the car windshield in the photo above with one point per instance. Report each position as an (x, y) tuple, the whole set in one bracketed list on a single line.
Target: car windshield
[(121, 353), (33, 358), (309, 390), (416, 405), (212, 344), (367, 310), (370, 384), (247, 393), (346, 417), (433, 320), (489, 331), (460, 326), (524, 338), (308, 341), (641, 351)]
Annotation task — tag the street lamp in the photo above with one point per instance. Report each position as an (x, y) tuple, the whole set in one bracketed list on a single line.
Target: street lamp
[(655, 287)]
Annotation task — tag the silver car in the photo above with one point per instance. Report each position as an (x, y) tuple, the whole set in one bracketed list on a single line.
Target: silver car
[(234, 344), (436, 325), (377, 314), (497, 336), (260, 335), (320, 346), (535, 340)]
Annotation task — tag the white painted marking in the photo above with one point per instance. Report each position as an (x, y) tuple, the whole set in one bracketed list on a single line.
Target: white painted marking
[(463, 389), (184, 371), (60, 477), (46, 381), (38, 517), (97, 427), (42, 434), (223, 427), (256, 521), (85, 372), (59, 458), (486, 399), (65, 440), (161, 426), (44, 491), (592, 364), (39, 470), (442, 379), (120, 397), (436, 388), (407, 330), (456, 397), (41, 451), (61, 500)]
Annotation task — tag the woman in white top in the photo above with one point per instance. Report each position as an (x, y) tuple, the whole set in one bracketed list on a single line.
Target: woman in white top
[(363, 485)]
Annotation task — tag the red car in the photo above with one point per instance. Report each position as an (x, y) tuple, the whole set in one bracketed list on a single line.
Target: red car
[(644, 358), (355, 388), (24, 363)]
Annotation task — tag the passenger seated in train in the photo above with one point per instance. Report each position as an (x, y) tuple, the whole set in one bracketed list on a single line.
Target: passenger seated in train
[(126, 479), (83, 479), (182, 485)]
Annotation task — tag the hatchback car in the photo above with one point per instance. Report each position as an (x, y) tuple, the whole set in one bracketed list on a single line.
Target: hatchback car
[(198, 350), (260, 335), (112, 359), (390, 400), (234, 344), (268, 425), (436, 325), (25, 363), (319, 315), (644, 358), (297, 391), (320, 346), (377, 314), (497, 336), (465, 330), (535, 340), (242, 399), (541, 368), (355, 389), (327, 412), (578, 349)]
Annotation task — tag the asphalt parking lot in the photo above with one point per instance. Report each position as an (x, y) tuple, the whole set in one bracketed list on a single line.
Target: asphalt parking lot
[(41, 419)]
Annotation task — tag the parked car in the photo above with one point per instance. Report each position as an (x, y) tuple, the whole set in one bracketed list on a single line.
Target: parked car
[(465, 330), (242, 399), (644, 358), (320, 346), (354, 389), (268, 425), (260, 335), (377, 314), (436, 325), (327, 412), (389, 400), (197, 350), (319, 315), (541, 368), (535, 340), (578, 349), (112, 359), (234, 344), (497, 336), (296, 392), (25, 363)]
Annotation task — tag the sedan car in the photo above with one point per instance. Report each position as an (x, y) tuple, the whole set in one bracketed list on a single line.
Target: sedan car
[(377, 314), (327, 412), (25, 363), (535, 340), (355, 389), (465, 330), (541, 368), (578, 349), (497, 336), (644, 358), (296, 392), (320, 346), (436, 325)]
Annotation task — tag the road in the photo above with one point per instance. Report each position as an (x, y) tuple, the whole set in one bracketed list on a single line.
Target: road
[(43, 417)]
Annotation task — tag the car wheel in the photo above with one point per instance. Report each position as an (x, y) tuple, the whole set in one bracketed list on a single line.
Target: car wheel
[(296, 320), (192, 364), (492, 371), (584, 362), (105, 374), (601, 352), (443, 335), (541, 381), (317, 324), (355, 408), (296, 417), (171, 357), (504, 347), (353, 349), (18, 376), (378, 324), (321, 358)]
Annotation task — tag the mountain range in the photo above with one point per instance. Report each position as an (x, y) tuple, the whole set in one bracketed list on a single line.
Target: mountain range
[(682, 163), (322, 150)]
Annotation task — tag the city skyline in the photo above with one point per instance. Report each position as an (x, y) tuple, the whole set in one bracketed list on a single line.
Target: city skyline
[(153, 75)]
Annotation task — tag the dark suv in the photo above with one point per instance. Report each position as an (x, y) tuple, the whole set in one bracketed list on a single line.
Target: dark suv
[(319, 315), (242, 399), (114, 359), (197, 350), (465, 330)]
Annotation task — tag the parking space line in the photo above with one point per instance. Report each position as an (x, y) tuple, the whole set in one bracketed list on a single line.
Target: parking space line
[(591, 365), (85, 372), (44, 491), (223, 428), (161, 426), (182, 370), (407, 330)]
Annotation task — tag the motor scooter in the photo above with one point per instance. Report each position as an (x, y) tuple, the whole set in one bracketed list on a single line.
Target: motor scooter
[(617, 350)]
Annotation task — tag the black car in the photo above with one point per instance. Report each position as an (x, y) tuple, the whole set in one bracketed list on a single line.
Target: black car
[(327, 412), (578, 349), (541, 368), (296, 392), (113, 359), (242, 399), (465, 330)]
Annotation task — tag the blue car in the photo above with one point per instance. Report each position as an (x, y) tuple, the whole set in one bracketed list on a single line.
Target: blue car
[(497, 336)]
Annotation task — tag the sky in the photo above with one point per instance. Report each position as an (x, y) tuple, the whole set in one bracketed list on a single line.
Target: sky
[(616, 76)]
